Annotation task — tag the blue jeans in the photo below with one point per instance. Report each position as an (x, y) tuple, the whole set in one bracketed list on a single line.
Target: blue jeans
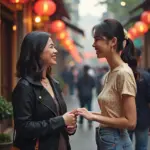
[(113, 139), (141, 138)]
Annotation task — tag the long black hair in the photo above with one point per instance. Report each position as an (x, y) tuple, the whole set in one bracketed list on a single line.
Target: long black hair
[(110, 28), (29, 62)]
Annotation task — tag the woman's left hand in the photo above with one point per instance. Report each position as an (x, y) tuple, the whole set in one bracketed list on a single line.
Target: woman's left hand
[(85, 113)]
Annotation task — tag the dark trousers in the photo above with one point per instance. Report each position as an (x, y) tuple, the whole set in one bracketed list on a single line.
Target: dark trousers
[(85, 102), (141, 138)]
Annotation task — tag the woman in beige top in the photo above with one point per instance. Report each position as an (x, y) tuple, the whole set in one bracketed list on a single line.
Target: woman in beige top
[(117, 99)]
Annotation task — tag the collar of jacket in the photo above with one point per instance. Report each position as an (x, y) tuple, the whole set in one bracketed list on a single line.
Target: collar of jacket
[(37, 82)]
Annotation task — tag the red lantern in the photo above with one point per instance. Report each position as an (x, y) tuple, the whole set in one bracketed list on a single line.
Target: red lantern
[(71, 47), (145, 17), (67, 42), (141, 27), (76, 56), (57, 26), (132, 32), (62, 35), (45, 7), (131, 36), (18, 1)]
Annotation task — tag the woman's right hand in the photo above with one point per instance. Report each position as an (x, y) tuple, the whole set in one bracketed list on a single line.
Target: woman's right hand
[(70, 119)]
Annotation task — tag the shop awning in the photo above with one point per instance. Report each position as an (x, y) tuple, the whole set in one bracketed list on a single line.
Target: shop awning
[(61, 11), (77, 44), (143, 5), (72, 26), (132, 20)]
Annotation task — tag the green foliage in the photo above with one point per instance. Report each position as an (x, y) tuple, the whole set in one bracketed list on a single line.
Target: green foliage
[(6, 110), (5, 138), (121, 13)]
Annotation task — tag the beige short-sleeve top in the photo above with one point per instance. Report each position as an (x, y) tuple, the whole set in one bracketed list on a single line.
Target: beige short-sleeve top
[(119, 81)]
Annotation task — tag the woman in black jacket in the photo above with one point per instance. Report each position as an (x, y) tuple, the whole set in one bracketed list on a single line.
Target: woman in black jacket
[(40, 117)]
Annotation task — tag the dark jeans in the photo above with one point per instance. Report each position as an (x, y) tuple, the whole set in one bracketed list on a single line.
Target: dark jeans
[(71, 89), (141, 138), (85, 102)]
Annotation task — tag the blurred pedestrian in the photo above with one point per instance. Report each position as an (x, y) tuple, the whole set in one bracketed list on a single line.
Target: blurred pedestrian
[(117, 99), (40, 117), (69, 79), (85, 86), (143, 107)]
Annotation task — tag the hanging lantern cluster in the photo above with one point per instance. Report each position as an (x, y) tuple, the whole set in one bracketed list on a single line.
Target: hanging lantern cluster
[(62, 35), (58, 27), (145, 17), (41, 7), (18, 1), (140, 27), (45, 7)]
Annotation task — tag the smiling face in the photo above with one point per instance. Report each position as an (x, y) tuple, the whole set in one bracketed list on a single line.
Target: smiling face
[(49, 53), (108, 38), (102, 46)]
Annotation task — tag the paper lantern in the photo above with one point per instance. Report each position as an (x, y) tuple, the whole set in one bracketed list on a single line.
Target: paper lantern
[(131, 36), (18, 1), (67, 42), (75, 55), (141, 27), (145, 17), (132, 32), (62, 35), (45, 7), (57, 26)]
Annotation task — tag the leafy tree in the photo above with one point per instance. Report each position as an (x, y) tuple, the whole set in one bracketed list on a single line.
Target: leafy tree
[(120, 12)]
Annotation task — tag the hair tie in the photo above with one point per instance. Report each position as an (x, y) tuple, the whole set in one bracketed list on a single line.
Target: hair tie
[(125, 34)]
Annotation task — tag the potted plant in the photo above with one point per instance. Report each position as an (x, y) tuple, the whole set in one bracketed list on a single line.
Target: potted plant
[(5, 141), (6, 112)]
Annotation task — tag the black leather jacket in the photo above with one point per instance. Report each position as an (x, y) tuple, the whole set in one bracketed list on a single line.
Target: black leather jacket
[(35, 116)]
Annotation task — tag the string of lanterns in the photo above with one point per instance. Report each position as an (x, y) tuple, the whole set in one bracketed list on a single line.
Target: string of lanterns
[(59, 28), (48, 8), (140, 27), (18, 1)]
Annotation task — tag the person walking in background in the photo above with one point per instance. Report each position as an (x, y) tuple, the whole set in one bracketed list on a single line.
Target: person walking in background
[(117, 99), (40, 117), (143, 107), (85, 86), (69, 79)]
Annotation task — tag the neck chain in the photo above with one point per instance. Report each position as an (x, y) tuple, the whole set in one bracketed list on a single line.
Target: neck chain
[(45, 82)]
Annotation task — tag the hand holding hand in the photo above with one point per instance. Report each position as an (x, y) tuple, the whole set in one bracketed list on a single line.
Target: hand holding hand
[(75, 112), (85, 113), (70, 119)]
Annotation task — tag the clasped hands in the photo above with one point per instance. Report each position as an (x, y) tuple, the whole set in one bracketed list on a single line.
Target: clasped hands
[(70, 118)]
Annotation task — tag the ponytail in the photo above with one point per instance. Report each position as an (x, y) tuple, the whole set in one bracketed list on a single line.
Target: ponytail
[(129, 57)]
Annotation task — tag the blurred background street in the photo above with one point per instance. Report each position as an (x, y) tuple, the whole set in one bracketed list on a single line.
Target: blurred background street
[(70, 24)]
